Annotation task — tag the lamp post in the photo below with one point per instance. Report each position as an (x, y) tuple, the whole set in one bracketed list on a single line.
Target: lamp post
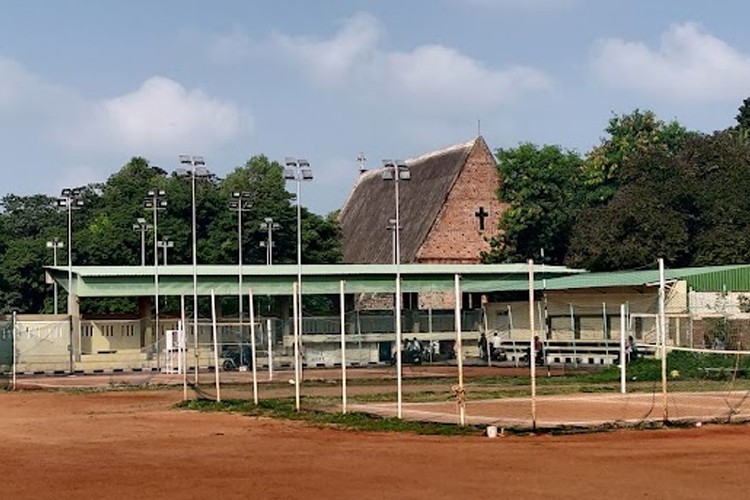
[(269, 226), (240, 203), (397, 171), (298, 170), (54, 244), (155, 201), (165, 243), (194, 167), (71, 199), (142, 226)]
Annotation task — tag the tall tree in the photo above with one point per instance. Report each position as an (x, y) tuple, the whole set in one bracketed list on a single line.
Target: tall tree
[(743, 115), (691, 209), (543, 186), (629, 135)]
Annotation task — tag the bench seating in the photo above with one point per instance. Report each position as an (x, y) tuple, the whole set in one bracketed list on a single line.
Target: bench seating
[(591, 352)]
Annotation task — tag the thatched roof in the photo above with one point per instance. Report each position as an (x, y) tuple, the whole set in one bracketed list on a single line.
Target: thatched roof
[(371, 204)]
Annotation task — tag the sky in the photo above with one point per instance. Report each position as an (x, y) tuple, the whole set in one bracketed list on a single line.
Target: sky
[(85, 85)]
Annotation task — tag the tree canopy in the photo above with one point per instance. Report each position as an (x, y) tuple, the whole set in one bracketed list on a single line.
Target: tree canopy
[(103, 234), (650, 189)]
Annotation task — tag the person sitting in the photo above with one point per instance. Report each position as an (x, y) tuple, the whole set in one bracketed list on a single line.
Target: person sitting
[(497, 346), (415, 345)]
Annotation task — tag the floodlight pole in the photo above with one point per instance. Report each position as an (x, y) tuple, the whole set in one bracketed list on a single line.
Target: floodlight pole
[(142, 226), (156, 200), (397, 171), (193, 162), (269, 226), (54, 244), (165, 244), (71, 198), (298, 170), (239, 204)]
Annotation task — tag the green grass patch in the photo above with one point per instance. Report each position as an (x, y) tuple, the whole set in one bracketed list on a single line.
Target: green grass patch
[(284, 409)]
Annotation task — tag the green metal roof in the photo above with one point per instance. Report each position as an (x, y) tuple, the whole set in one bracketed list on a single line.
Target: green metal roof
[(122, 281), (702, 279)]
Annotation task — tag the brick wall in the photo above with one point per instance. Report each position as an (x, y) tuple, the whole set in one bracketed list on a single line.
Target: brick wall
[(456, 236)]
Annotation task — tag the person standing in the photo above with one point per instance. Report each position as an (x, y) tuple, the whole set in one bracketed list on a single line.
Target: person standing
[(482, 344)]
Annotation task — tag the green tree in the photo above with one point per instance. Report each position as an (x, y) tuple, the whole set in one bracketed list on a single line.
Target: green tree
[(630, 135), (27, 223), (722, 166), (743, 115), (543, 188), (690, 208)]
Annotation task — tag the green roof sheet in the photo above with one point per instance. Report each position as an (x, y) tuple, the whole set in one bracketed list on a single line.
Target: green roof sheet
[(707, 279), (122, 281), (113, 281)]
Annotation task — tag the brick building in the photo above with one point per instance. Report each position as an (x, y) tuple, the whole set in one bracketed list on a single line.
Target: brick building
[(449, 209)]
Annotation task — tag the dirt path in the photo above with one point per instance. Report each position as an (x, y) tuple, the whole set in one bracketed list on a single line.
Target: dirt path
[(134, 445)]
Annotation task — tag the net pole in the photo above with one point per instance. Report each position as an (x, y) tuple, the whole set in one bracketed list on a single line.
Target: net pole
[(622, 348), (459, 351), (295, 307), (510, 333), (15, 349), (216, 346), (573, 334), (662, 327), (605, 332), (543, 327), (270, 348), (532, 346), (342, 306), (252, 345), (183, 347), (486, 333)]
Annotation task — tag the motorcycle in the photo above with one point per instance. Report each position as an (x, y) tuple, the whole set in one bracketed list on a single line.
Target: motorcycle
[(410, 356), (498, 354), (234, 357)]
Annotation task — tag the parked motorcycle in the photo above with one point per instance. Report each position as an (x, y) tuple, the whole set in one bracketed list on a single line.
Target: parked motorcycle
[(233, 357)]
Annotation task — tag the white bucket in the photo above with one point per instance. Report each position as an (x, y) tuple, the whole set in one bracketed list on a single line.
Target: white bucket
[(491, 431)]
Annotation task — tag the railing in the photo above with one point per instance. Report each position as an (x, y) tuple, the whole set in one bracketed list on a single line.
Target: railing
[(384, 322)]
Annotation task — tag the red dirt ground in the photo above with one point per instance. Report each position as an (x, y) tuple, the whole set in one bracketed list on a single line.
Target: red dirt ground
[(132, 444)]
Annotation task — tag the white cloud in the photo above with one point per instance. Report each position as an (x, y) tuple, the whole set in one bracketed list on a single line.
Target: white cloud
[(689, 64), (332, 61), (22, 92), (161, 115), (433, 73), (429, 77)]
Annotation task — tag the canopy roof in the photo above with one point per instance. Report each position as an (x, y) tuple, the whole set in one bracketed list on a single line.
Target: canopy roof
[(129, 281), (731, 278)]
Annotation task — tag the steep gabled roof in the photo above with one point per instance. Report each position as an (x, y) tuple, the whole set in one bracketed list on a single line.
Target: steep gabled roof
[(371, 204)]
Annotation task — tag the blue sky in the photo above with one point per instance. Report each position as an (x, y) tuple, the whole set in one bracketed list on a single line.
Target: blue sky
[(87, 84)]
